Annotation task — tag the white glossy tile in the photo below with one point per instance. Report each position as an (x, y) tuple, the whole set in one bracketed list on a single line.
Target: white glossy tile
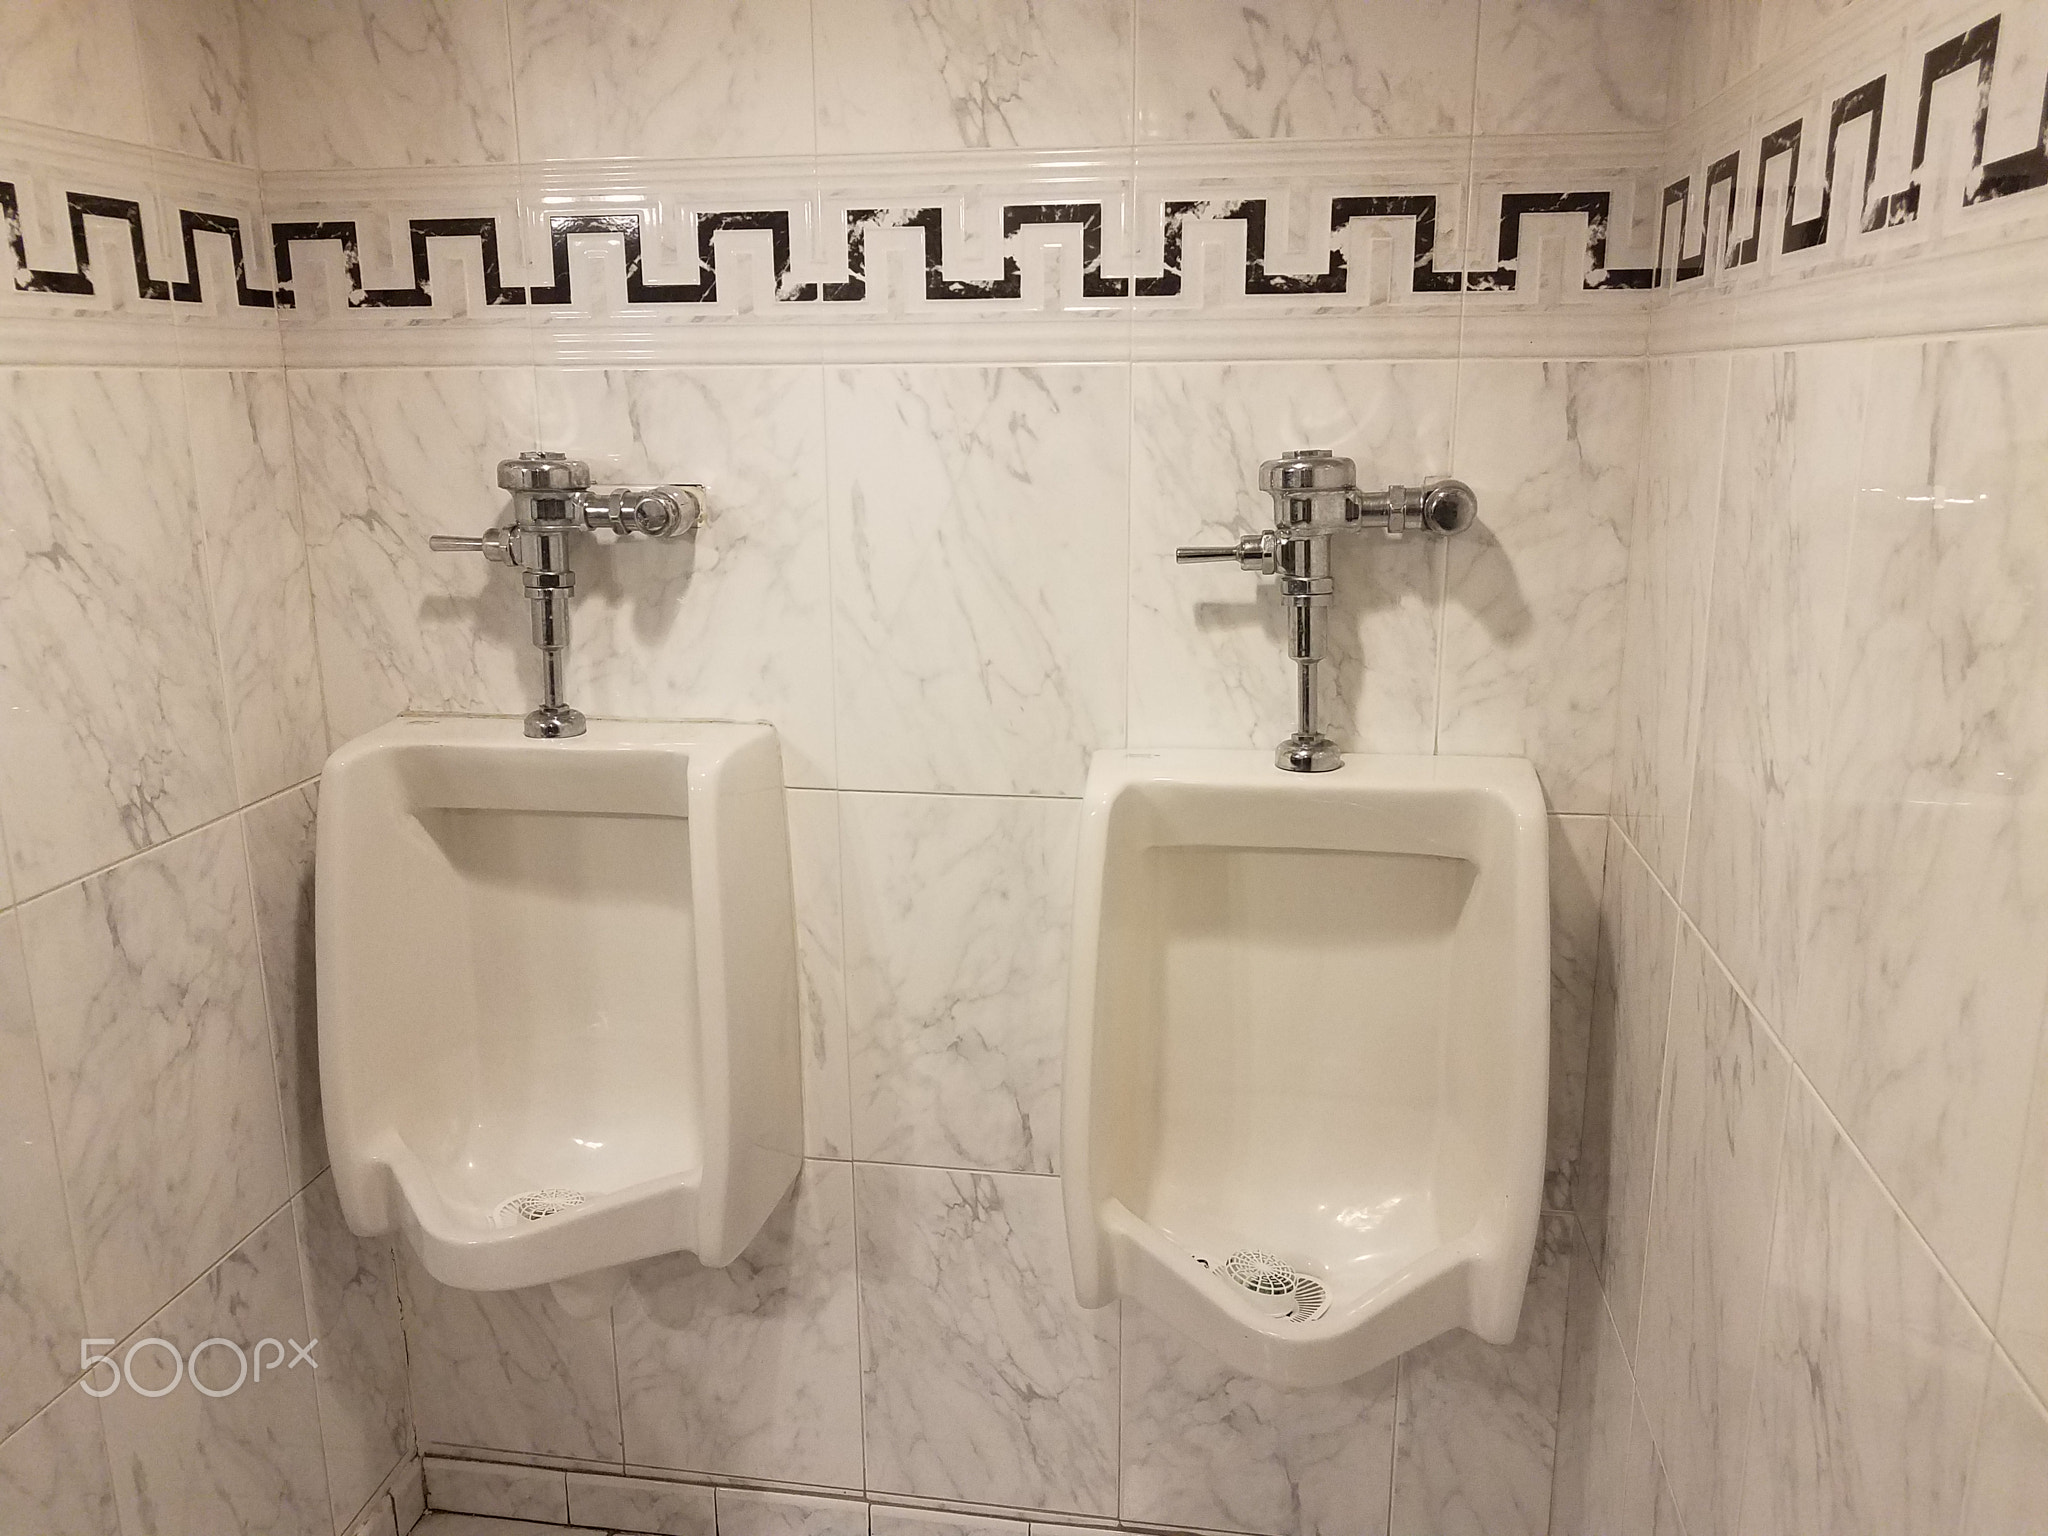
[(256, 575), (747, 1512), (1789, 24), (983, 1379), (1725, 1082), (197, 79), (352, 1305), (1209, 661), (950, 74), (1624, 1073), (1304, 69), (887, 1520), (2009, 1471), (1546, 67), (75, 65), (978, 541), (753, 1370), (54, 1474), (41, 1316), (494, 1488), (821, 971), (508, 1370), (1925, 981), (1596, 1409), (1578, 853), (1781, 566), (379, 1518), (1476, 1429), (2023, 1299), (149, 1005), (734, 621), (1205, 1446), (387, 458), (957, 919), (439, 1524), (280, 832), (642, 1504), (116, 735), (1671, 563), (409, 1494), (1716, 47), (661, 80), (380, 82), (1535, 595), (236, 1460), (1871, 1365)]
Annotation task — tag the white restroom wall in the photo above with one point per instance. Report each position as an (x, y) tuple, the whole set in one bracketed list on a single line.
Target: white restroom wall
[(1812, 1182), (160, 1139), (940, 562)]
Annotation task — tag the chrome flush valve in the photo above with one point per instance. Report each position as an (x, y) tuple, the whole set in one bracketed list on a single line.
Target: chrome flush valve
[(552, 501), (1315, 495)]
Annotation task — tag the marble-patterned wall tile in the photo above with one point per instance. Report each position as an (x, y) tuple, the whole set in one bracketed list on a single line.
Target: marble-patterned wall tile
[(1205, 1446), (41, 1316), (379, 1518), (957, 916), (979, 524), (387, 458), (496, 1488), (237, 1460), (116, 733), (1925, 981), (508, 1370), (1781, 564), (953, 74), (380, 82), (197, 78), (889, 1520), (54, 1475), (983, 1378), (1788, 24), (76, 65), (642, 1504), (1670, 570), (749, 1512), (1304, 69), (1596, 1410), (1624, 1075), (814, 858), (1725, 1081), (1477, 1424), (2009, 1470), (1578, 853), (1535, 594), (2023, 1299), (1715, 46), (352, 1305), (1871, 1364), (752, 1370), (256, 574), (1546, 67), (280, 832), (149, 1005), (734, 621), (409, 1494), (661, 80), (1209, 663)]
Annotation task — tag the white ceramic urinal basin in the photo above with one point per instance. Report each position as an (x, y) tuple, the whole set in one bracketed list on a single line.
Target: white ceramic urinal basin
[(557, 994), (1308, 1051)]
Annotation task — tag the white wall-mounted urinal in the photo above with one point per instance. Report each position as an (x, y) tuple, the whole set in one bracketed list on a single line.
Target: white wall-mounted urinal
[(1308, 1050), (557, 985)]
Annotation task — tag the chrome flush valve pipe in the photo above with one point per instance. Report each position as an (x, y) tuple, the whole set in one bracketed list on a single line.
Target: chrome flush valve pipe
[(551, 502), (1315, 496)]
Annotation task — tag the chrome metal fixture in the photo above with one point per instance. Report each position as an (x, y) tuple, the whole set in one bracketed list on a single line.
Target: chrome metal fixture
[(1315, 494), (552, 500)]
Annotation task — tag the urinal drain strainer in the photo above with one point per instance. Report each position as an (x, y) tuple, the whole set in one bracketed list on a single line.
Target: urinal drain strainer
[(539, 1204), (1292, 1295)]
